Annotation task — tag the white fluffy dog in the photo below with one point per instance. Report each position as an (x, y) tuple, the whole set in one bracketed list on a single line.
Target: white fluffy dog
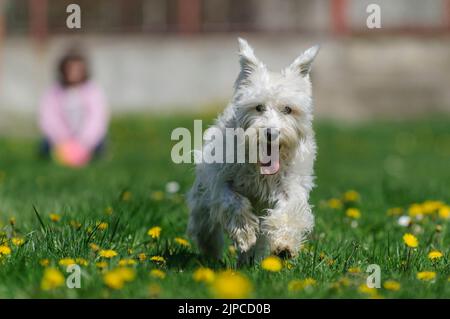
[(261, 213)]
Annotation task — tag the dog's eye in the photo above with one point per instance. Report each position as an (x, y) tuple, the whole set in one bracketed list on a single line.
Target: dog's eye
[(287, 110), (260, 108)]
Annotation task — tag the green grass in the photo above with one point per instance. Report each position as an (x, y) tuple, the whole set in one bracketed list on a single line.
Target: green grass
[(390, 164)]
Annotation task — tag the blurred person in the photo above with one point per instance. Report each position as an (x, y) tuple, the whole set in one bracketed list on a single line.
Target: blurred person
[(73, 114)]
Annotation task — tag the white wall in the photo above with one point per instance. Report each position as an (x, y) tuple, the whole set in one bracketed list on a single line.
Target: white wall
[(353, 77)]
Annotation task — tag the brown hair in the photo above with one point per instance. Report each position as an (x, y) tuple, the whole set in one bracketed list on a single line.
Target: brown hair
[(70, 56)]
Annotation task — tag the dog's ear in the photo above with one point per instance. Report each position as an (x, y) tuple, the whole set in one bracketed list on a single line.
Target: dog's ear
[(302, 65), (248, 61)]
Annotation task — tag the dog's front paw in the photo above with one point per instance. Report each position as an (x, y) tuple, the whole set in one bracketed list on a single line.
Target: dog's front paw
[(241, 224), (243, 230), (244, 238), (284, 246), (286, 231), (284, 252)]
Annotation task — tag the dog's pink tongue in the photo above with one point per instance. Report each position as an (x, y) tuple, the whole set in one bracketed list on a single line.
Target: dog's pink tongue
[(271, 169)]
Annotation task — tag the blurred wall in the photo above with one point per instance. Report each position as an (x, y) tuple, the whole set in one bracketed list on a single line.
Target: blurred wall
[(353, 77), (180, 55)]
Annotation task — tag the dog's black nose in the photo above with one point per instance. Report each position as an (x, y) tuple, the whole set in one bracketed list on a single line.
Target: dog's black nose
[(272, 134)]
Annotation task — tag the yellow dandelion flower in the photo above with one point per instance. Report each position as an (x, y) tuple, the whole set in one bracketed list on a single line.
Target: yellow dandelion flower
[(354, 213), (52, 279), (55, 217), (154, 290), (81, 262), (44, 262), (154, 232), (364, 289), (126, 196), (272, 263), (394, 211), (156, 273), (391, 285), (295, 285), (157, 196), (335, 285), (75, 224), (126, 273), (426, 275), (344, 281), (108, 211), (113, 280), (444, 212), (116, 278), (182, 242), (142, 257), (341, 282), (101, 264), (12, 221), (127, 262), (410, 240), (232, 249), (66, 262), (18, 241), (415, 210), (231, 285), (5, 250), (94, 247), (288, 265), (351, 196), (204, 274), (158, 259), (431, 206), (298, 285), (435, 254), (334, 203), (107, 253), (102, 226), (309, 282), (354, 270)]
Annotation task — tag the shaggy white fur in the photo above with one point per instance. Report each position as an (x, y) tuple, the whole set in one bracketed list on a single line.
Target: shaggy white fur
[(261, 213)]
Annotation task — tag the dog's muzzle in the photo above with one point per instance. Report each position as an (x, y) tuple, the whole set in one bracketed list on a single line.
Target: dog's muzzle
[(270, 163)]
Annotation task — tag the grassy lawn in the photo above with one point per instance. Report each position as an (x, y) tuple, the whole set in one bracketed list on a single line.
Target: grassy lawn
[(390, 164)]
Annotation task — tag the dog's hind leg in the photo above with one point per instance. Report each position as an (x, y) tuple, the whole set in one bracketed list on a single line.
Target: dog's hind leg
[(211, 242), (207, 236)]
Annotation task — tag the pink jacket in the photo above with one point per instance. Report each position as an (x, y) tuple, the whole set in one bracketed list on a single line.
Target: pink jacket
[(54, 120)]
